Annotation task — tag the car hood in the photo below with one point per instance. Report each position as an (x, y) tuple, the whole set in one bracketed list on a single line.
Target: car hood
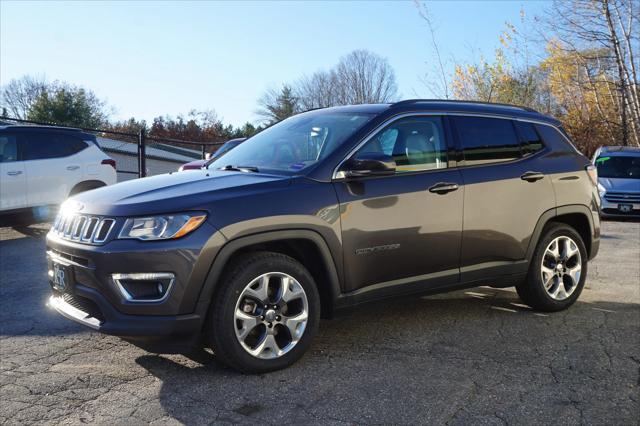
[(173, 192), (620, 184)]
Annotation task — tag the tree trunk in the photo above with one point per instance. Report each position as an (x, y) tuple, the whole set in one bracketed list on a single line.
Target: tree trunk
[(621, 72)]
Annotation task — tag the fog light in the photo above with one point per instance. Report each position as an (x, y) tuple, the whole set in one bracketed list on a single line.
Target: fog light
[(144, 287)]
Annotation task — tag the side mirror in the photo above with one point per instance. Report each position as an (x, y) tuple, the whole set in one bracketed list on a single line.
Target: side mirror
[(370, 164)]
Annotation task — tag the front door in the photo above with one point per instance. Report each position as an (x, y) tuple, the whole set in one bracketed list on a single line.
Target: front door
[(404, 228)]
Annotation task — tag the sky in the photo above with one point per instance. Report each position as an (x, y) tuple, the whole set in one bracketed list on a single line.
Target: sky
[(157, 58)]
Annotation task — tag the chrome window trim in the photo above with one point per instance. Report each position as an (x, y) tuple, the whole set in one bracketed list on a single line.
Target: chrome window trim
[(339, 175), (133, 276)]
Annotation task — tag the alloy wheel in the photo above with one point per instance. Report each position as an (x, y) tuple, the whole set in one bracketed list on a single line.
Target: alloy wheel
[(271, 315), (561, 268)]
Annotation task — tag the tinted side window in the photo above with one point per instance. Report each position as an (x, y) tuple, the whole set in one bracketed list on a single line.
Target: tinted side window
[(554, 139), (40, 146), (8, 148), (415, 143), (487, 140), (531, 141)]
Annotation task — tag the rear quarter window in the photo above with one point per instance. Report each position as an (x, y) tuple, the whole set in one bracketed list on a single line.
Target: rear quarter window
[(43, 145), (554, 139)]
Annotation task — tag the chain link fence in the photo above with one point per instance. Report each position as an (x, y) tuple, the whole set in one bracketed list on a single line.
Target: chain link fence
[(136, 154)]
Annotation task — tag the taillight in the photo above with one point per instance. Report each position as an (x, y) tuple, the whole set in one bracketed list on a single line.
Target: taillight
[(110, 162), (592, 171)]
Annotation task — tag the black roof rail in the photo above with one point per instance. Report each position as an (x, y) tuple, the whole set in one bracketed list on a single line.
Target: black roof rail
[(41, 126), (29, 124), (455, 101)]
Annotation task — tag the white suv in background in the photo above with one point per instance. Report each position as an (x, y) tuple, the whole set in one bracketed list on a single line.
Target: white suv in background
[(41, 166)]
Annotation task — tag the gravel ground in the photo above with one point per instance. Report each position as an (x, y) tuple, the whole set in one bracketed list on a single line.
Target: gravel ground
[(476, 356)]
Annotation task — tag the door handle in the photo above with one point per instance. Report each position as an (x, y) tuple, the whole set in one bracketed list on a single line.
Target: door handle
[(532, 176), (443, 187), (14, 173), (73, 168)]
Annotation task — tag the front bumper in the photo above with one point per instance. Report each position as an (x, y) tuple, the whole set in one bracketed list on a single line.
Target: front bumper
[(94, 299), (89, 308), (611, 210)]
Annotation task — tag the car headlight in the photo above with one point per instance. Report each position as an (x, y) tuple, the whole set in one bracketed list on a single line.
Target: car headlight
[(162, 227), (601, 190)]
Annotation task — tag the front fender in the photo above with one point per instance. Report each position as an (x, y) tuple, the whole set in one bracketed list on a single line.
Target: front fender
[(233, 246)]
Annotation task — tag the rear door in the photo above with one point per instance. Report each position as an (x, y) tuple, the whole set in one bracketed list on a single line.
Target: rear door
[(12, 174), (399, 230), (506, 192), (53, 166)]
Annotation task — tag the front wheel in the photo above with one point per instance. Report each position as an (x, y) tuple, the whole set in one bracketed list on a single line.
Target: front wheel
[(265, 314), (557, 272)]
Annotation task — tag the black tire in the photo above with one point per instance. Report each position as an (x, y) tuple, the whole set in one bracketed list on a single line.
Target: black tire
[(532, 291), (221, 333)]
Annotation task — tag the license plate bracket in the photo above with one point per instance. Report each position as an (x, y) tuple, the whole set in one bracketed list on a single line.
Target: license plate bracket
[(625, 208), (61, 277)]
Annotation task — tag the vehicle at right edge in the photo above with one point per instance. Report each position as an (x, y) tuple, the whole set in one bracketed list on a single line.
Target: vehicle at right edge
[(618, 181)]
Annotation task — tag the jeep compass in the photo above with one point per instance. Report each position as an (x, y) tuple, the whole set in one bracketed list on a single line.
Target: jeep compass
[(322, 211)]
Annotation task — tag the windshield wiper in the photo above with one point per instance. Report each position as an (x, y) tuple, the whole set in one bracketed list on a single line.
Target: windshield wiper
[(245, 169)]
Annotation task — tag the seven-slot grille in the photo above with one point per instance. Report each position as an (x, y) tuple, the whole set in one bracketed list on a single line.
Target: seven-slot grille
[(622, 197), (83, 228)]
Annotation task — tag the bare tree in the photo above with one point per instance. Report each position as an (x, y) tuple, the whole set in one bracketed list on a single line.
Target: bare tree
[(610, 26), (360, 77), (317, 91), (441, 87), (19, 95), (363, 77)]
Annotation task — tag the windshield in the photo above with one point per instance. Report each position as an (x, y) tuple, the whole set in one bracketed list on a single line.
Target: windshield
[(294, 144), (228, 146), (622, 167)]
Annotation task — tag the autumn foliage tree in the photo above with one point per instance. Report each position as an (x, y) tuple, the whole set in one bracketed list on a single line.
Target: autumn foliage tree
[(587, 76), (198, 126)]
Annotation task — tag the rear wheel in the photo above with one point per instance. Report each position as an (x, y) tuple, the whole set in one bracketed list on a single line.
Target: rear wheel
[(265, 314), (558, 270)]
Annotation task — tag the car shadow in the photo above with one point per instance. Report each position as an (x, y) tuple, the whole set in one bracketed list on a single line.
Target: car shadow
[(25, 289), (31, 231), (430, 348)]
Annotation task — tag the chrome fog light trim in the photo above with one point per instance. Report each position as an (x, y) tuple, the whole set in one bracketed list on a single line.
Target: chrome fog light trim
[(143, 276)]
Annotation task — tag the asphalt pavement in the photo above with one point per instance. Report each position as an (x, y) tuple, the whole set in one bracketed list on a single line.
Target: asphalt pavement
[(471, 357)]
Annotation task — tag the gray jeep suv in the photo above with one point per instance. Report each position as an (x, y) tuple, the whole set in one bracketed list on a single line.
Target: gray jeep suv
[(323, 211)]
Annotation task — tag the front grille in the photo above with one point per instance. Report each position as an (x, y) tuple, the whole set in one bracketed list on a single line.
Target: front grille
[(83, 228), (622, 197), (85, 305), (617, 212), (82, 261)]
